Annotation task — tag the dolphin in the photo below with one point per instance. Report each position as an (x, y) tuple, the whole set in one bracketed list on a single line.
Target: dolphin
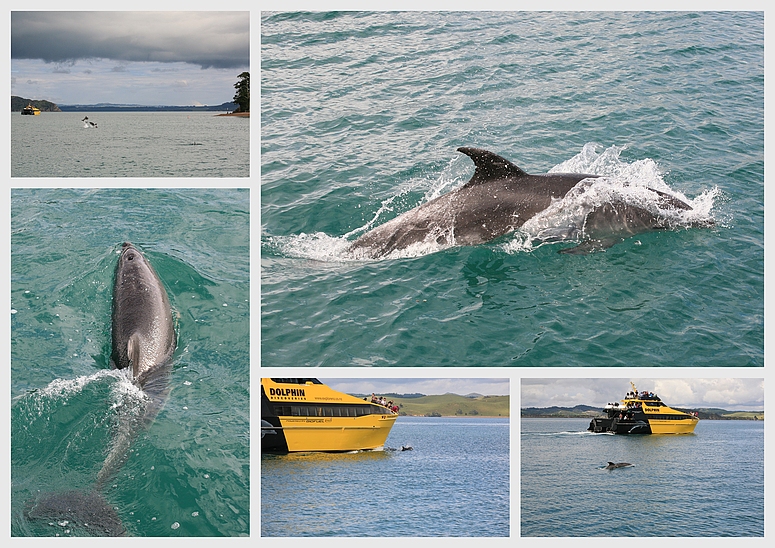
[(143, 343), (144, 340), (615, 465), (499, 198)]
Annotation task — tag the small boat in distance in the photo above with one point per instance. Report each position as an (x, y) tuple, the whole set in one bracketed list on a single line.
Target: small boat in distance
[(30, 110), (643, 413), (300, 415)]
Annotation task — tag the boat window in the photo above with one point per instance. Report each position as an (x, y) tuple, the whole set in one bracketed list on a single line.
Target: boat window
[(296, 381)]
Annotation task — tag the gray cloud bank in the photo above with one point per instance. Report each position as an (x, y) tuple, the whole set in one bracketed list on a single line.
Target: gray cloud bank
[(207, 39)]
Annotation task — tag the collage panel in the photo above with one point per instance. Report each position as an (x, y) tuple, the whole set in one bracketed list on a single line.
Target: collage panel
[(385, 457), (642, 457), (130, 94), (130, 352), (528, 189), (130, 292)]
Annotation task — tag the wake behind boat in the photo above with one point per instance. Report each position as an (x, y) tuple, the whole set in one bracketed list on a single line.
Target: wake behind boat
[(299, 415), (643, 413)]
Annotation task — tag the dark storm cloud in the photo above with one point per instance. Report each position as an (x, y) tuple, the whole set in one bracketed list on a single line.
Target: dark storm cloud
[(207, 39)]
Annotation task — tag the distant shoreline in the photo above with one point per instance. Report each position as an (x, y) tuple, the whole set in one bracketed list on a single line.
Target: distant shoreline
[(238, 114)]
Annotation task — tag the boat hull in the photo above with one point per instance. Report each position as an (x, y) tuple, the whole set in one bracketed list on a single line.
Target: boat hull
[(644, 417)]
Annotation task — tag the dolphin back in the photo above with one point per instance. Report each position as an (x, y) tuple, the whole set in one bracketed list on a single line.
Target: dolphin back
[(143, 334)]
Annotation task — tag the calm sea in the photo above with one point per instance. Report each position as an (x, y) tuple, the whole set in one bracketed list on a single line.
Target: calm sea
[(454, 483), (130, 144), (707, 484), (188, 474), (361, 116)]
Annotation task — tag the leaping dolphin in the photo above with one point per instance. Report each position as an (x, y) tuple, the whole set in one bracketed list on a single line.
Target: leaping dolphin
[(499, 198)]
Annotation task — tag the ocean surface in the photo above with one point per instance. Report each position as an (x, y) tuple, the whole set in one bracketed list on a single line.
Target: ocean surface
[(188, 473), (706, 484), (361, 117), (130, 144), (454, 483)]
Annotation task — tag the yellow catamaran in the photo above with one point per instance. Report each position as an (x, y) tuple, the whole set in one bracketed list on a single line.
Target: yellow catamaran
[(306, 415), (30, 110), (643, 413)]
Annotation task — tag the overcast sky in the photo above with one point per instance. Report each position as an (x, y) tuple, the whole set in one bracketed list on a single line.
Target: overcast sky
[(145, 58), (486, 387), (731, 394)]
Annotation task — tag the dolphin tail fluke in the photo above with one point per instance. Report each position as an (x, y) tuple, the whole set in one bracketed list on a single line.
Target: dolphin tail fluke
[(85, 514)]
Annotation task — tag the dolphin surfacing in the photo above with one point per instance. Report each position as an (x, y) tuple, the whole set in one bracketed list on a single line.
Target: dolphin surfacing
[(615, 465), (143, 342), (500, 198)]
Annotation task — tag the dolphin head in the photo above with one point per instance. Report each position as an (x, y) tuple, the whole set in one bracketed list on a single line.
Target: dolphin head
[(132, 267)]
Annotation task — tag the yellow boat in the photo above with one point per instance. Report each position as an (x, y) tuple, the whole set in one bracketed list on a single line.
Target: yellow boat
[(306, 415), (643, 413), (30, 110)]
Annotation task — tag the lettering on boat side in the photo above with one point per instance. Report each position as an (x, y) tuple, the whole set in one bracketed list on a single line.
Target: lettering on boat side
[(287, 392)]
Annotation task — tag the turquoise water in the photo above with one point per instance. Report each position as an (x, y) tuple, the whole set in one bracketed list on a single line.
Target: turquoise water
[(706, 484), (130, 144), (361, 117), (188, 474), (454, 483)]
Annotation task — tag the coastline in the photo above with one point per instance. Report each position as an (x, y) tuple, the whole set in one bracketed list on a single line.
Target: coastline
[(237, 114)]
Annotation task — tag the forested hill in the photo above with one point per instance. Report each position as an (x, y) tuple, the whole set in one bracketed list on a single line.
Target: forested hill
[(18, 103)]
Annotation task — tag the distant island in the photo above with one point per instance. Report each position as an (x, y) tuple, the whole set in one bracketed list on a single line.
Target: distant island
[(589, 412), (448, 405), (18, 103)]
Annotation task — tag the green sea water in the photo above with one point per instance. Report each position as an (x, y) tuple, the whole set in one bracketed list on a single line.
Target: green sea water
[(188, 473), (361, 117)]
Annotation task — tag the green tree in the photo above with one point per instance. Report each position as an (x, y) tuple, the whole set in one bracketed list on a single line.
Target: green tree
[(242, 97)]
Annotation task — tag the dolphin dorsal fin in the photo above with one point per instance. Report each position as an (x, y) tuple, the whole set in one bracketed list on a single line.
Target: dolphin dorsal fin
[(489, 166), (133, 352)]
